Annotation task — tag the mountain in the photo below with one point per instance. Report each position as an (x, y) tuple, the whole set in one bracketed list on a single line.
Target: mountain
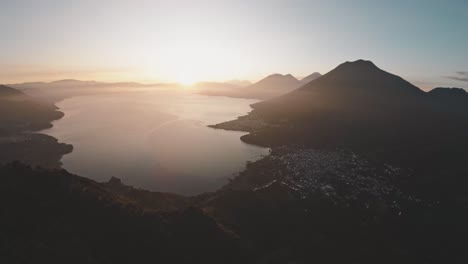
[(218, 89), (268, 87), (452, 100), (20, 115), (359, 85), (58, 90), (271, 86), (215, 86), (67, 83), (275, 84), (56, 217), (20, 112), (8, 91), (72, 83), (448, 92), (310, 78), (360, 107), (239, 82), (328, 194)]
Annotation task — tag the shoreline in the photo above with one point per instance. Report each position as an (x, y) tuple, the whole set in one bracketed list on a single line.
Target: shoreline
[(34, 149), (61, 149), (26, 144)]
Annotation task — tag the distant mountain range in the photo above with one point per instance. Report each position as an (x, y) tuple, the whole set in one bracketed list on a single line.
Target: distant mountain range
[(310, 78), (269, 87), (273, 85), (71, 83), (239, 82), (6, 91), (215, 86), (57, 90)]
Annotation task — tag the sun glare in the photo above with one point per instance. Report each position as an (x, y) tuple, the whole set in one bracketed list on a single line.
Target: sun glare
[(186, 78), (190, 57)]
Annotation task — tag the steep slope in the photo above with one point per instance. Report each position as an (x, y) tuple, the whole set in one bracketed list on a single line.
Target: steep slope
[(277, 81), (239, 82), (310, 78), (453, 100), (361, 107), (269, 87), (358, 85), (56, 217), (20, 112), (8, 91), (273, 85)]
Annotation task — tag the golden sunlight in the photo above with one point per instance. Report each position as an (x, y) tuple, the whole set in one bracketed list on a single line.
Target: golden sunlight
[(195, 58), (187, 78)]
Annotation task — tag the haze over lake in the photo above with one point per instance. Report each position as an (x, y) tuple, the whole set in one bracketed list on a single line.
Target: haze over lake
[(155, 140)]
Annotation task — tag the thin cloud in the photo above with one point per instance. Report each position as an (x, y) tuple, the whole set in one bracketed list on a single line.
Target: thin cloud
[(461, 76)]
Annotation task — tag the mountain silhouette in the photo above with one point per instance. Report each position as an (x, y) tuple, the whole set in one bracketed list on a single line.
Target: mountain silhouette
[(268, 87), (271, 86), (8, 91), (448, 92), (360, 86), (61, 89), (276, 81), (453, 100), (239, 82), (214, 86), (376, 114), (362, 107), (125, 232), (310, 78), (20, 112)]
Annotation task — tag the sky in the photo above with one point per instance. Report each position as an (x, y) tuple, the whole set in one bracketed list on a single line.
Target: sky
[(424, 41)]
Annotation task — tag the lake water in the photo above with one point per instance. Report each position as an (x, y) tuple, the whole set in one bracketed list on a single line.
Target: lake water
[(154, 140)]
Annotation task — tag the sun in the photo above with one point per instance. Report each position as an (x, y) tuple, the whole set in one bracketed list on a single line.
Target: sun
[(193, 59), (186, 80), (187, 77)]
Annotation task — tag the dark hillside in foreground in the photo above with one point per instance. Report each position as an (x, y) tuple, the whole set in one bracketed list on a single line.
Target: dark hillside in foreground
[(56, 217), (342, 208)]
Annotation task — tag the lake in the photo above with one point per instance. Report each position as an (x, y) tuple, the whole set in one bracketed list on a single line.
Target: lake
[(154, 139)]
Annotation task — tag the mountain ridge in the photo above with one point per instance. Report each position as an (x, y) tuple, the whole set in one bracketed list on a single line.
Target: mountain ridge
[(359, 106), (268, 87), (359, 84), (8, 91), (310, 78), (20, 112)]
